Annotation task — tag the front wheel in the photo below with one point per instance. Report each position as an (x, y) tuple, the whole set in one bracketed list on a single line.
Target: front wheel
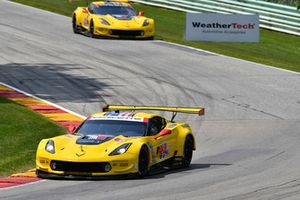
[(92, 30), (143, 169), (187, 151), (74, 25)]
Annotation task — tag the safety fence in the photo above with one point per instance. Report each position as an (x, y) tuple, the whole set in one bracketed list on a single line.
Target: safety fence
[(272, 16)]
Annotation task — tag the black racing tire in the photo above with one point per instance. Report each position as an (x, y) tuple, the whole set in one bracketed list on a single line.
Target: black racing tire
[(143, 167), (40, 174), (74, 25), (37, 173), (92, 29), (188, 151)]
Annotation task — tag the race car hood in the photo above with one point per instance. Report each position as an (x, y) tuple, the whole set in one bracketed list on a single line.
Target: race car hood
[(117, 21), (87, 148)]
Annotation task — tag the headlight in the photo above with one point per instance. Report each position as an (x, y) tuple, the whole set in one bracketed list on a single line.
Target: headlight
[(50, 147), (121, 149), (146, 22), (103, 21)]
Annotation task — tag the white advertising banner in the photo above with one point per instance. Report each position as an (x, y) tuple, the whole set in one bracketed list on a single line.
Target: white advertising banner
[(222, 27)]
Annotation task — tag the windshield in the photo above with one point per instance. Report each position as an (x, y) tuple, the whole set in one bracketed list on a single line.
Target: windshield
[(114, 10), (112, 127)]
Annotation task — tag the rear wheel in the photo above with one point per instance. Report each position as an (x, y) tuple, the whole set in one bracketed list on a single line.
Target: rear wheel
[(187, 151), (143, 162), (74, 25)]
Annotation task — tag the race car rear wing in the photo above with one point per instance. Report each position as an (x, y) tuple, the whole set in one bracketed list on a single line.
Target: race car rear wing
[(175, 110)]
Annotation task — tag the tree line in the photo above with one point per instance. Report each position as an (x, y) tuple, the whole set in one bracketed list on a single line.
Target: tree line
[(287, 2)]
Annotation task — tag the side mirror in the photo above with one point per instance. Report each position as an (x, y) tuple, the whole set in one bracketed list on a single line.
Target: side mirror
[(141, 13), (163, 133), (72, 129)]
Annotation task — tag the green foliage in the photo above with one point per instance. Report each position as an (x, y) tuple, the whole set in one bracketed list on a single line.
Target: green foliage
[(21, 130), (287, 2)]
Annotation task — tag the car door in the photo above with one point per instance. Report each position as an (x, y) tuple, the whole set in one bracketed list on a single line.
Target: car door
[(163, 146)]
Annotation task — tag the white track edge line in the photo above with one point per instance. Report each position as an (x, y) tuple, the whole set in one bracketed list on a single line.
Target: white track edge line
[(45, 101)]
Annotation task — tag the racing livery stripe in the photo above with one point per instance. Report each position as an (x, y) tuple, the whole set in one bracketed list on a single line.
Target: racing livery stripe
[(54, 112)]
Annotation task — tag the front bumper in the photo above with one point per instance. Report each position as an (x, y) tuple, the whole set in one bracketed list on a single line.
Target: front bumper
[(82, 176), (105, 167), (122, 33)]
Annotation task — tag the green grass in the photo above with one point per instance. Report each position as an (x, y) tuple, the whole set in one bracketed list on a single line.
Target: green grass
[(21, 130), (275, 49)]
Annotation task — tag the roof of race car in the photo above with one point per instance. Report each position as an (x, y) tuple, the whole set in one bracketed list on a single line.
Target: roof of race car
[(105, 3), (126, 116)]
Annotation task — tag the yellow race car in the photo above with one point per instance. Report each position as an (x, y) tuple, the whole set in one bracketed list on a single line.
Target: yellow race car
[(114, 19), (118, 143)]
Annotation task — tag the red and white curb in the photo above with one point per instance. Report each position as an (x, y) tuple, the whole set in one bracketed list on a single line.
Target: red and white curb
[(50, 110)]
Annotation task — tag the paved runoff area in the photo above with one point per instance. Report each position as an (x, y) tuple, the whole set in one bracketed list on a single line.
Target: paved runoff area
[(247, 143)]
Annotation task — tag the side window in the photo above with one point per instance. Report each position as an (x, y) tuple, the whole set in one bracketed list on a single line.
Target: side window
[(91, 8), (156, 124)]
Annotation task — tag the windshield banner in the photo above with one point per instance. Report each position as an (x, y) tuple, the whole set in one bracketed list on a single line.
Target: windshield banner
[(122, 118)]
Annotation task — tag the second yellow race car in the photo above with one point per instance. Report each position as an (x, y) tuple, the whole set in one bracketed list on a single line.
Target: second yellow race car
[(114, 19), (118, 143)]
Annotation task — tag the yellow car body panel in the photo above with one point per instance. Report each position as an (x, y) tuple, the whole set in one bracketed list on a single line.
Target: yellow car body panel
[(161, 147), (114, 27)]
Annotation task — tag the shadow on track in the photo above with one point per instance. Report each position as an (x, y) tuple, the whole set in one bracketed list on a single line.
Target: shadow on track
[(60, 82), (158, 174), (194, 166)]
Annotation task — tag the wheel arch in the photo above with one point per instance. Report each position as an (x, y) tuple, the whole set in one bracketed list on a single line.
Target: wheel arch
[(193, 138), (149, 152), (78, 14), (78, 11), (136, 149), (183, 134), (144, 170)]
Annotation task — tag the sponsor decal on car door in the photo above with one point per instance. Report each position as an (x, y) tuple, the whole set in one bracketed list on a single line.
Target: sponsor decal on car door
[(164, 147)]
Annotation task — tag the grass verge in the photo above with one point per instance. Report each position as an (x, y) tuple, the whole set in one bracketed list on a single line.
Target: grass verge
[(21, 130), (275, 49)]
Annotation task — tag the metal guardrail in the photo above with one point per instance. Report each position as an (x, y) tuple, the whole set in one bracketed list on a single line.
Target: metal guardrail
[(272, 16)]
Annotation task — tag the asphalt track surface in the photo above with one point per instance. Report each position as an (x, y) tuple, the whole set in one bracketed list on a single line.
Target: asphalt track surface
[(247, 144)]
